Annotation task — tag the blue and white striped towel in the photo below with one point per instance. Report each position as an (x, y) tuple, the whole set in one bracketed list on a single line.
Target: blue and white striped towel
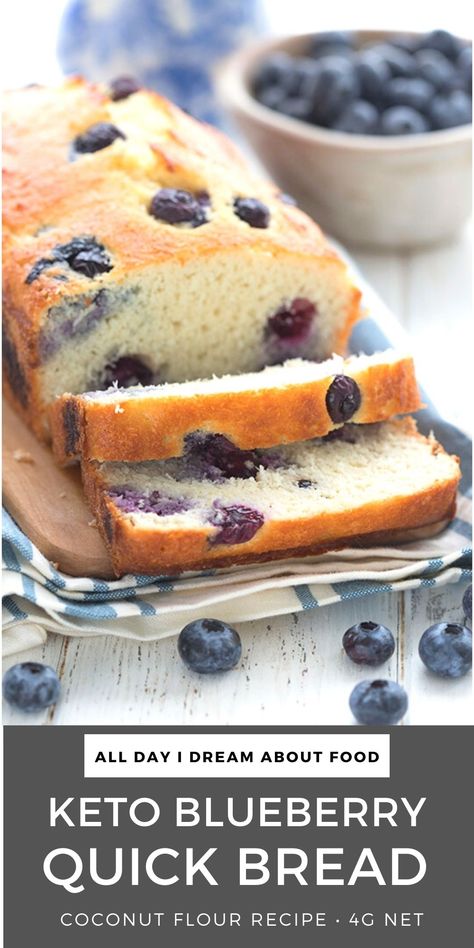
[(38, 599)]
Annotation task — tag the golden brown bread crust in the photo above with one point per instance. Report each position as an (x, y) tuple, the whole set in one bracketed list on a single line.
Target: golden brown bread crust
[(148, 428), (136, 549), (49, 199), (42, 183)]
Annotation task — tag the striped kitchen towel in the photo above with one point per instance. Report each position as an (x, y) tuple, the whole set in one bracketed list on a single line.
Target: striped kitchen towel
[(38, 598)]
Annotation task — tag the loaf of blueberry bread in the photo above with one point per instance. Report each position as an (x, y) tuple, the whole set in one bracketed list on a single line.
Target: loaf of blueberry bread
[(361, 484), (280, 404), (140, 248)]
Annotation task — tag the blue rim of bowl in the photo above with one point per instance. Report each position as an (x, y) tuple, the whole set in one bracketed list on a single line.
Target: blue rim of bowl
[(247, 102)]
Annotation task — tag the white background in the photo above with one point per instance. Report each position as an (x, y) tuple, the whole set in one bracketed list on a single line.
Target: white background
[(30, 26), (329, 764)]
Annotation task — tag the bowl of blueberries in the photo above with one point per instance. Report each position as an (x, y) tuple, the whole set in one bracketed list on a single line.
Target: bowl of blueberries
[(369, 131)]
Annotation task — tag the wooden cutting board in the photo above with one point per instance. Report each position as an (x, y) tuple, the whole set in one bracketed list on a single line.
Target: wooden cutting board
[(47, 502)]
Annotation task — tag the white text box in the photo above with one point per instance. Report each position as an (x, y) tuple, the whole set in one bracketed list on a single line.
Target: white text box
[(237, 755)]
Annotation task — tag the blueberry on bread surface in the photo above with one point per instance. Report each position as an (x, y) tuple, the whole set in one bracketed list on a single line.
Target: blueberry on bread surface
[(188, 299), (82, 254), (96, 137), (175, 206), (123, 86), (343, 398), (252, 211)]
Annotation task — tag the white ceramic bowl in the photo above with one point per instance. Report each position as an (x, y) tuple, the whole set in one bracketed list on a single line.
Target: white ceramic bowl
[(403, 191)]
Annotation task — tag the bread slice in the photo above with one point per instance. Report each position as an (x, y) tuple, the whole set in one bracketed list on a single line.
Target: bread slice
[(139, 242), (359, 485), (290, 402)]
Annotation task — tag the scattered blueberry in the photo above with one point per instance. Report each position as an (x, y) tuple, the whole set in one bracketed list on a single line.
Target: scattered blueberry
[(31, 686), (451, 110), (378, 702), (252, 211), (368, 643), (97, 137), (343, 398), (177, 207), (358, 118), (467, 603), (304, 483), (402, 120), (208, 646), (122, 87), (416, 93), (236, 523), (126, 371), (446, 649)]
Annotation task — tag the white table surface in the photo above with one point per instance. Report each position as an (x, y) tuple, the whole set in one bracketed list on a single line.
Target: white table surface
[(294, 670)]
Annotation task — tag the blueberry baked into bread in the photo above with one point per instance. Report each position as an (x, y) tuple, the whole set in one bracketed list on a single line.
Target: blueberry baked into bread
[(361, 485), (281, 404), (139, 248)]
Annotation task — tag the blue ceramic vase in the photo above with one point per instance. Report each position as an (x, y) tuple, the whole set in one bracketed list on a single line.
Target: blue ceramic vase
[(168, 45)]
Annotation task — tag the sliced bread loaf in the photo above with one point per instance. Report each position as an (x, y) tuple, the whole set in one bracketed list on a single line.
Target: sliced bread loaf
[(290, 402), (359, 485)]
